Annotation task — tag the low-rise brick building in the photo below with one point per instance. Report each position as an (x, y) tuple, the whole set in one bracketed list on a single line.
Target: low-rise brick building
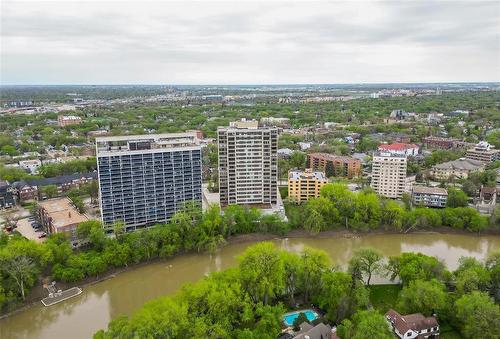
[(335, 165), (60, 216)]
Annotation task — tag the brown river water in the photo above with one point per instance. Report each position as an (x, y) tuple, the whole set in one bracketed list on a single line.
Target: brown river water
[(82, 316)]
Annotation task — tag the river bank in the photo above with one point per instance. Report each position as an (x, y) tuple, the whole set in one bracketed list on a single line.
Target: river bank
[(126, 291), (38, 292)]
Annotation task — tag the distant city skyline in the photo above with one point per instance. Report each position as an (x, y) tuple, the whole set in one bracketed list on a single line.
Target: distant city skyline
[(229, 43)]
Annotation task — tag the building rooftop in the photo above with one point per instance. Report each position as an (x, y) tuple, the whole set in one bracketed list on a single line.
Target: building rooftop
[(308, 331), (307, 174), (126, 143), (244, 123), (461, 164), (415, 322), (429, 190), (62, 212), (332, 157), (396, 147), (386, 154)]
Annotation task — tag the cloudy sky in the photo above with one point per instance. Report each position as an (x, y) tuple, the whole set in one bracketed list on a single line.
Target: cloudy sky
[(248, 42)]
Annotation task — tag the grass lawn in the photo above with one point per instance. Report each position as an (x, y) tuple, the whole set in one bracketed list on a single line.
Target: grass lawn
[(384, 297)]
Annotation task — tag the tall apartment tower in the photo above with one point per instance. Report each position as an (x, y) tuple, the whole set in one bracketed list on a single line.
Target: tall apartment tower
[(389, 174), (248, 164), (145, 179)]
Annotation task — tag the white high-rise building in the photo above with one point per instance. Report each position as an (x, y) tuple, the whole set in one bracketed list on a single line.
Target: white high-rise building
[(389, 174), (248, 164)]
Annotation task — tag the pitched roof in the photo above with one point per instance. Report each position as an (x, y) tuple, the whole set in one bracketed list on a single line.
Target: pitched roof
[(63, 179), (317, 332), (415, 322)]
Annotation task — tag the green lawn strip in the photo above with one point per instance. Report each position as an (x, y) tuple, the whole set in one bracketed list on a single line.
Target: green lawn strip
[(384, 297)]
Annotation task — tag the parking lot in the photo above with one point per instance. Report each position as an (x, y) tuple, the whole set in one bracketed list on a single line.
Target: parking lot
[(24, 227)]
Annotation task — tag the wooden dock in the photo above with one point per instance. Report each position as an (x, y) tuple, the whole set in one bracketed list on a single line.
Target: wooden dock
[(57, 297)]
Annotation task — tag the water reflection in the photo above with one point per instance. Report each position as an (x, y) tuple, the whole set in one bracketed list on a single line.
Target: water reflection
[(80, 317)]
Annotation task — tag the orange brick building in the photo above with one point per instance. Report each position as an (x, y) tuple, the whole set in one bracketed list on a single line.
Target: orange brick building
[(335, 165)]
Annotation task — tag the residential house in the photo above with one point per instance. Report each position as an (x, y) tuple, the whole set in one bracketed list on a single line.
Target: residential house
[(30, 189), (30, 166), (413, 325), (6, 196), (320, 331)]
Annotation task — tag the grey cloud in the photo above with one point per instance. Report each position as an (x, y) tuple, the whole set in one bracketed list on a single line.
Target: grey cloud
[(237, 43)]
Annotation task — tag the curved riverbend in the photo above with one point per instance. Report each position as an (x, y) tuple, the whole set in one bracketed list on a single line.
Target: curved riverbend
[(82, 316)]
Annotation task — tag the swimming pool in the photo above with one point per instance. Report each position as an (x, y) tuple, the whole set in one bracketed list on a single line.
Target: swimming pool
[(289, 318)]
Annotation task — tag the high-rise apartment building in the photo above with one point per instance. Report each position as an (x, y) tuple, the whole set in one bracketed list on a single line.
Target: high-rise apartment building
[(248, 164), (389, 174), (145, 179)]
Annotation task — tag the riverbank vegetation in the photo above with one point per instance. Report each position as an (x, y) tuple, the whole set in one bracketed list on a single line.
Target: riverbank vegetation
[(249, 301), (338, 208), (25, 263)]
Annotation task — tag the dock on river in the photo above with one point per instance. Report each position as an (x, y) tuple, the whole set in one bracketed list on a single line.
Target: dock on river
[(59, 296)]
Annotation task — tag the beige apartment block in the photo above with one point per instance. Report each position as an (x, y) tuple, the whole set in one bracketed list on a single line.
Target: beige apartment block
[(389, 174), (303, 185), (248, 164)]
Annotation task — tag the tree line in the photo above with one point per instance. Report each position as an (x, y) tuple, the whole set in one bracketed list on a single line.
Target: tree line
[(249, 301), (339, 208), (23, 262)]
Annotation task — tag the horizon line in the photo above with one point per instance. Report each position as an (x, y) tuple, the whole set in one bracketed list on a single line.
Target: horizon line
[(248, 84)]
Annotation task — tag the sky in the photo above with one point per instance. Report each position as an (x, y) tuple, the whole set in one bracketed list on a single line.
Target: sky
[(248, 42)]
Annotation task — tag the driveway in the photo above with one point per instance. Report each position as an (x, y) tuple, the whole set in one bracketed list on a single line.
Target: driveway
[(24, 227)]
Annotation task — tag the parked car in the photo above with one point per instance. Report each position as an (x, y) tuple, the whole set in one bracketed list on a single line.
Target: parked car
[(43, 235)]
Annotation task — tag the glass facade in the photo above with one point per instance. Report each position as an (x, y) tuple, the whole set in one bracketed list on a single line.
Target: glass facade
[(142, 189)]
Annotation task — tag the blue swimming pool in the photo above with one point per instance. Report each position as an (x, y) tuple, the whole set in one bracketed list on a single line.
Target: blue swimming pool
[(289, 318)]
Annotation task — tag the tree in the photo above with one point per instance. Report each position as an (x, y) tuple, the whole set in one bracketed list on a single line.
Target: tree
[(9, 150), (456, 198), (406, 198), (478, 316), (299, 320), (49, 191), (426, 297), (293, 267), (314, 263), (365, 324), (471, 275), (493, 266), (22, 269), (392, 214), (262, 272), (340, 296), (93, 191), (415, 266), (366, 261)]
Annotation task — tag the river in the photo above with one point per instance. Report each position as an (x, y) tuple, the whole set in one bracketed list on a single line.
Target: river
[(82, 316)]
